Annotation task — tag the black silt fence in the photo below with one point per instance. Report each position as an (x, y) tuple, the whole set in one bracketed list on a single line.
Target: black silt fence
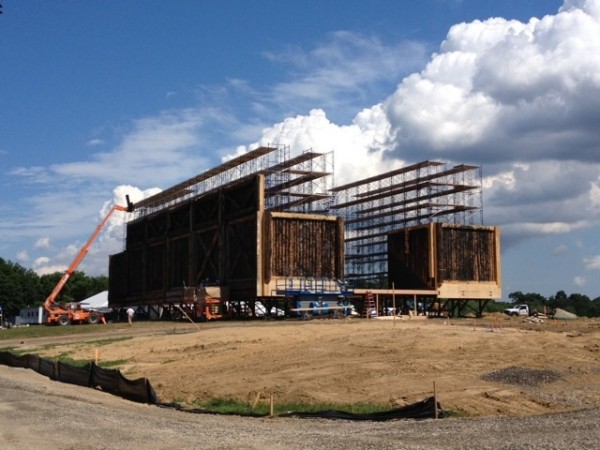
[(90, 375)]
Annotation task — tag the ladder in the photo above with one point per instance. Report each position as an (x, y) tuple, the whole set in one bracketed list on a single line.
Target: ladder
[(369, 306)]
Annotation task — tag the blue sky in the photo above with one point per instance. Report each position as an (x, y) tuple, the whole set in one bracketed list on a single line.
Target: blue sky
[(101, 99)]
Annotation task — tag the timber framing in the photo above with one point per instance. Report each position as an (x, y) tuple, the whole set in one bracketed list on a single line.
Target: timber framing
[(264, 220)]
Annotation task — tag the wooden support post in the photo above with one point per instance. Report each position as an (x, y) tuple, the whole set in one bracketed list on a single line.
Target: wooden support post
[(271, 405), (394, 303), (96, 356)]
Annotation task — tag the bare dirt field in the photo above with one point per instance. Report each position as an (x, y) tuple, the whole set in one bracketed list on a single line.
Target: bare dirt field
[(487, 367), (509, 384)]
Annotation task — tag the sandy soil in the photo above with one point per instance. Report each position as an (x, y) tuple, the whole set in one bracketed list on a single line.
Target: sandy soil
[(488, 367)]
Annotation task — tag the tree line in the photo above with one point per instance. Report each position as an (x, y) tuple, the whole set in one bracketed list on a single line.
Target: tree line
[(21, 287)]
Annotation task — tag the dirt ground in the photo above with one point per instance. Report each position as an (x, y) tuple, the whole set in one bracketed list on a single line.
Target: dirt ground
[(486, 367)]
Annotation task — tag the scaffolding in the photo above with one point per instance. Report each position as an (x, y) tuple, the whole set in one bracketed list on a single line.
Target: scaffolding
[(299, 184), (422, 193)]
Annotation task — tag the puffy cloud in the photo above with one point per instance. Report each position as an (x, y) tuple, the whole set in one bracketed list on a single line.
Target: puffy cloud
[(503, 90), (39, 263), (42, 243), (522, 99), (358, 147), (594, 195), (22, 256), (95, 142), (592, 263), (561, 249)]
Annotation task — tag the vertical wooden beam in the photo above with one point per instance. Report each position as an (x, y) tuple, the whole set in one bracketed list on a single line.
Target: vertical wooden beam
[(340, 249), (497, 259), (432, 253), (222, 236), (261, 240), (191, 240)]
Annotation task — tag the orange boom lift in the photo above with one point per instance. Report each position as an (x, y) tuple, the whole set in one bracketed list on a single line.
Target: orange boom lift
[(73, 313)]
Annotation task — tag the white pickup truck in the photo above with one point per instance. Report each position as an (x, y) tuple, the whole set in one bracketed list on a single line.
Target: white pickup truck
[(518, 310)]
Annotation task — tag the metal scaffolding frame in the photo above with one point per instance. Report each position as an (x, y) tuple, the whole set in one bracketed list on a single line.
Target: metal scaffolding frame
[(299, 184), (422, 193)]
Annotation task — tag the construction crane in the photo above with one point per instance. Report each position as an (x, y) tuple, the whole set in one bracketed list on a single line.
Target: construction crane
[(73, 312)]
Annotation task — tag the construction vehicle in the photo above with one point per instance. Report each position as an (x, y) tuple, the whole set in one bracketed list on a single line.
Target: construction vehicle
[(74, 313), (518, 310), (209, 305)]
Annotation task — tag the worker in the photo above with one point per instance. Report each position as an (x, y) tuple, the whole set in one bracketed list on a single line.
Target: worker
[(130, 314)]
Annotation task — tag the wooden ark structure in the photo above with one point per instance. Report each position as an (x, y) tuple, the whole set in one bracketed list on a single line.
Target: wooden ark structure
[(461, 263), (225, 240), (266, 226)]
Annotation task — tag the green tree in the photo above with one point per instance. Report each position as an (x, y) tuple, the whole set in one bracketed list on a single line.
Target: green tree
[(78, 287), (99, 284), (19, 287), (596, 307), (560, 300), (578, 304)]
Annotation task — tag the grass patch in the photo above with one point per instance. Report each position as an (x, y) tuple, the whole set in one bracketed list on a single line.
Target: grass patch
[(109, 341), (234, 406), (66, 359), (457, 414), (37, 331)]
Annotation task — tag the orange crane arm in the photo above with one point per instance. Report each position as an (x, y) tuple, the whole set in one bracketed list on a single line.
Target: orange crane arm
[(61, 283)]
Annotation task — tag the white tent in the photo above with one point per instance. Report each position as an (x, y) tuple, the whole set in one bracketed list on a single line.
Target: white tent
[(97, 301)]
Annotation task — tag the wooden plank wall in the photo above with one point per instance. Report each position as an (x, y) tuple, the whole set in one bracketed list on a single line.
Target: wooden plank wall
[(409, 259), (466, 253), (298, 245), (426, 256)]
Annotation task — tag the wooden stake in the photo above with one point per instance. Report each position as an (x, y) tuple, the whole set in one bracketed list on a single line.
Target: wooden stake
[(256, 399), (96, 356), (435, 402), (271, 405), (188, 317), (394, 302)]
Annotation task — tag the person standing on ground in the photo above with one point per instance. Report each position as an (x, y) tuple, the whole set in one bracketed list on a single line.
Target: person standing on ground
[(130, 314)]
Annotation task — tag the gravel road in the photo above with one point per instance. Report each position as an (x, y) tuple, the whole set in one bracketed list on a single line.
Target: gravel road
[(36, 412)]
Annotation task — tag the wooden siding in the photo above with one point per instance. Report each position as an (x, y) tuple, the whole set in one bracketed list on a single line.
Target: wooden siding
[(436, 255), (303, 246), (225, 238)]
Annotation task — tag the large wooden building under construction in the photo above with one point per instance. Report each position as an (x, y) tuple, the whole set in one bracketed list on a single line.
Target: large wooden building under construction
[(266, 225), (224, 238)]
